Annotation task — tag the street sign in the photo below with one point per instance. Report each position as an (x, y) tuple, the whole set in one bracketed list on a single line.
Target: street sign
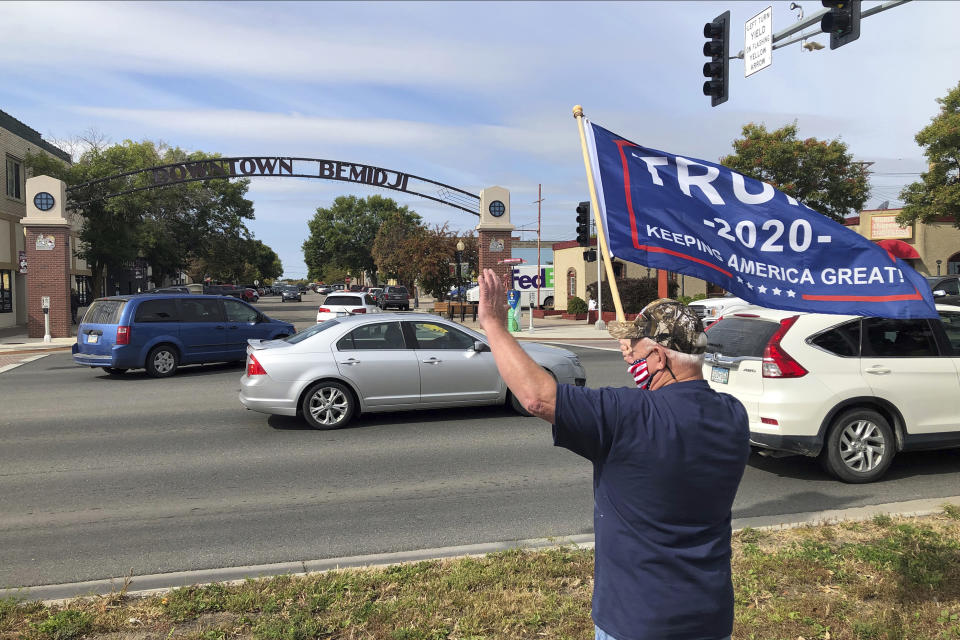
[(44, 302), (758, 42)]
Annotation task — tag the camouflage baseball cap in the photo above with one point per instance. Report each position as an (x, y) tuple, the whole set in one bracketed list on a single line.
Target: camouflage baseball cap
[(666, 322)]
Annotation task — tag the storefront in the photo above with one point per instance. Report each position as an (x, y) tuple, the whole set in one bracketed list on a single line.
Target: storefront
[(16, 141), (932, 248)]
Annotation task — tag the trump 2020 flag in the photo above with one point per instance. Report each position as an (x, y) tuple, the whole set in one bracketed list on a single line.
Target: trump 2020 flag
[(702, 219)]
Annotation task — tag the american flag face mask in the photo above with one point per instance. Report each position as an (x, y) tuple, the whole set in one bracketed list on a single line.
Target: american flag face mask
[(640, 374)]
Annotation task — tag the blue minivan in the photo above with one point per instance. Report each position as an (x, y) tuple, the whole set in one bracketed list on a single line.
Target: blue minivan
[(160, 332)]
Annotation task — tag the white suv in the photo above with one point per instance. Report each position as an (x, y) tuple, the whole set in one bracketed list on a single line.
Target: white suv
[(852, 391), (710, 309)]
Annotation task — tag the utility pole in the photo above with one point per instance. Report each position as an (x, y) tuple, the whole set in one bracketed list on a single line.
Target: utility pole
[(539, 200)]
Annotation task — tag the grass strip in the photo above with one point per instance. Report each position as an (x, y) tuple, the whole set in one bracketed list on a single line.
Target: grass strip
[(890, 578)]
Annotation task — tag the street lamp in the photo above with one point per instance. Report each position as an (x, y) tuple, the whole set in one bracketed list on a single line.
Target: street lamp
[(460, 248)]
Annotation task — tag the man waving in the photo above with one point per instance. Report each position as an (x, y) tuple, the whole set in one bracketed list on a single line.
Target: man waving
[(667, 458)]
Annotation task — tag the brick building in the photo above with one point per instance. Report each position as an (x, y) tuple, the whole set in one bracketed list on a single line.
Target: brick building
[(16, 141)]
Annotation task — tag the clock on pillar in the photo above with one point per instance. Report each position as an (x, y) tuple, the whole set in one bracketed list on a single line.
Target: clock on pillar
[(495, 230)]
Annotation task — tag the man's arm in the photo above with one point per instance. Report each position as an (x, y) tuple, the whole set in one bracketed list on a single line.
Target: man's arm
[(528, 381)]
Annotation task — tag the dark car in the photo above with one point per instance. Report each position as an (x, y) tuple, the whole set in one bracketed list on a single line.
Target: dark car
[(394, 296), (223, 290), (291, 292), (948, 288), (160, 332)]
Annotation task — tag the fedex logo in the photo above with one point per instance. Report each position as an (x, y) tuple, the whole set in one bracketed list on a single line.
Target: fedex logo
[(522, 281)]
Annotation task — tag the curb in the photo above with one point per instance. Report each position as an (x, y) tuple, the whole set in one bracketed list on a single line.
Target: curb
[(152, 584)]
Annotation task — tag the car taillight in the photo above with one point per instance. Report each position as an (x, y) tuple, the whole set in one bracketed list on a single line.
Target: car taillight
[(777, 363), (323, 310), (253, 367), (361, 310), (123, 335)]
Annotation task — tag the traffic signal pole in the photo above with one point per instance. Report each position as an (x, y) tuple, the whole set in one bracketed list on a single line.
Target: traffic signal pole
[(815, 19)]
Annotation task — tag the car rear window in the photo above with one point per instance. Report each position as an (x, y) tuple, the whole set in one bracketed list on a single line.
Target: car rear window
[(396, 289), (343, 300), (157, 311), (736, 337), (104, 312), (842, 341)]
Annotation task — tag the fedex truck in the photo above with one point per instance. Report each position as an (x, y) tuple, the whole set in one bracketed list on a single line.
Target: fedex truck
[(526, 279)]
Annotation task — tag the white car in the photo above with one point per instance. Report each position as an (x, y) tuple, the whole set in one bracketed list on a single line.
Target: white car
[(346, 303), (851, 391), (710, 309)]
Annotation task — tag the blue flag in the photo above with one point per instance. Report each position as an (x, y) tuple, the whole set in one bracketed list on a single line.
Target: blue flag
[(704, 220)]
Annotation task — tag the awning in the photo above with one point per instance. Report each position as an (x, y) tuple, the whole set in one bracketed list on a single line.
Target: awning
[(899, 249)]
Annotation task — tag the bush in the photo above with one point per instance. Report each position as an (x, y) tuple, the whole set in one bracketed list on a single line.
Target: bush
[(576, 305), (689, 299), (635, 293)]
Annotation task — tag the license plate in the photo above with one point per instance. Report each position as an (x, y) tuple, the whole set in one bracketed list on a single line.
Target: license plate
[(340, 314), (92, 338), (720, 374)]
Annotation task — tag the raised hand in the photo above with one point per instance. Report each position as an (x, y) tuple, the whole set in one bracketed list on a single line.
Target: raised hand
[(492, 311)]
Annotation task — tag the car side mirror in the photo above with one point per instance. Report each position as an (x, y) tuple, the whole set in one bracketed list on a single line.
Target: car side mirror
[(480, 346), (939, 293)]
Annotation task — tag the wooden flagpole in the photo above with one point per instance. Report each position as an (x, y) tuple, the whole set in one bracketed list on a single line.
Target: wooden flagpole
[(594, 204)]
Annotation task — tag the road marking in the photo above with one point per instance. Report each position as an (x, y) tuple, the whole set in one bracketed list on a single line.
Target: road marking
[(8, 367)]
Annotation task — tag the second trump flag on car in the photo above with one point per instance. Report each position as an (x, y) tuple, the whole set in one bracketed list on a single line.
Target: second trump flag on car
[(702, 219)]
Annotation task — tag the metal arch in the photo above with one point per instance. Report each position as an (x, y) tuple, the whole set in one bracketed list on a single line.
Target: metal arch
[(277, 166)]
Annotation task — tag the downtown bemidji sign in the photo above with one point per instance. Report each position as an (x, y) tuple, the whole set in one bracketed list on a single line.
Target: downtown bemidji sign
[(289, 167)]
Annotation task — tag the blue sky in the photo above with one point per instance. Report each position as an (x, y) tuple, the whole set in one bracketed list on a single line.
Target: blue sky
[(472, 94)]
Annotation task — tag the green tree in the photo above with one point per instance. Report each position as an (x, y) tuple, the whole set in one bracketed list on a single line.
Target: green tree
[(396, 248), (343, 235), (938, 192), (820, 174), (437, 251)]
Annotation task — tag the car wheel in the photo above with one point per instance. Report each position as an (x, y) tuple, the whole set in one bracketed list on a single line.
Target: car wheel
[(547, 303), (406, 308), (859, 447), (328, 405), (162, 361), (114, 371)]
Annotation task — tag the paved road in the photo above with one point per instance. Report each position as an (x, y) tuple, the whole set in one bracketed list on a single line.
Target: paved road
[(100, 476)]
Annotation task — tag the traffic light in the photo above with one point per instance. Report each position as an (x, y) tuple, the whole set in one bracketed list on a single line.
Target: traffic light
[(583, 224), (590, 255), (843, 21), (717, 48)]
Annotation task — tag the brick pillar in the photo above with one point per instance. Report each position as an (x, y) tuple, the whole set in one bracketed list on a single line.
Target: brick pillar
[(48, 256), (491, 253), (493, 232), (48, 274)]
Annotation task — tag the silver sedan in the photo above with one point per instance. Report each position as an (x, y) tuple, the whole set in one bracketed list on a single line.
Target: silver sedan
[(341, 367)]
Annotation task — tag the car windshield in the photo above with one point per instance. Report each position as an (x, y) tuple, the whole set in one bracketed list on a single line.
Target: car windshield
[(312, 331)]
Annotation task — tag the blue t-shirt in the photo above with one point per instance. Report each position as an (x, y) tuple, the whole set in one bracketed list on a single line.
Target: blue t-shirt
[(666, 466)]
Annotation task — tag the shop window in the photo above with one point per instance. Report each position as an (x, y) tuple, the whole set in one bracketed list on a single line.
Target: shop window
[(953, 264), (571, 282), (14, 178), (6, 291)]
